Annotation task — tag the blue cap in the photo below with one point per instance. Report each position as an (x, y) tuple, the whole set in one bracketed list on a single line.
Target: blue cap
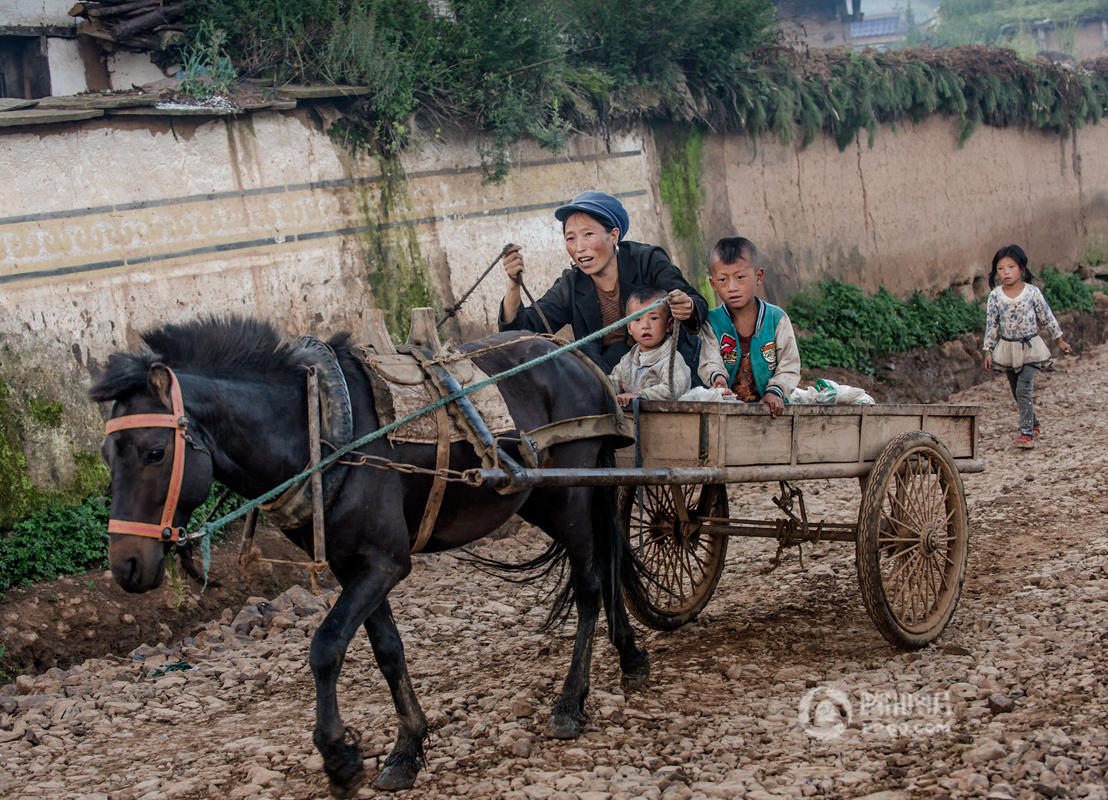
[(598, 204)]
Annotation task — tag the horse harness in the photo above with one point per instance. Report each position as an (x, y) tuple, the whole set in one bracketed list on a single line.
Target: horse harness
[(330, 421), (430, 367)]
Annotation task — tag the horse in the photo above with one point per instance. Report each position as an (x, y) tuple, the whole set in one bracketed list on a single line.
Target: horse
[(235, 395)]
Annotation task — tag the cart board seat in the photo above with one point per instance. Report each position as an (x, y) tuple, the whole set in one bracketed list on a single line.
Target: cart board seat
[(810, 438)]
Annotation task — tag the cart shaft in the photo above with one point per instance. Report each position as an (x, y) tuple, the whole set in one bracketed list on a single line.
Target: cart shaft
[(637, 476)]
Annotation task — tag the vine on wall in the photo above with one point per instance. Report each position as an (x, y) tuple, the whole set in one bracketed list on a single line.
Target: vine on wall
[(539, 68), (679, 186)]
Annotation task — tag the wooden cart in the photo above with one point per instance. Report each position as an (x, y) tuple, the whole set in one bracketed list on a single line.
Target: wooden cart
[(911, 534)]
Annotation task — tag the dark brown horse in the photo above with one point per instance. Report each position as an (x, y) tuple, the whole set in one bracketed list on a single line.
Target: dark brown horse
[(243, 394)]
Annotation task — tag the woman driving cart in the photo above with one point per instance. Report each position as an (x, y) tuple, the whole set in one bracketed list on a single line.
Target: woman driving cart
[(606, 269)]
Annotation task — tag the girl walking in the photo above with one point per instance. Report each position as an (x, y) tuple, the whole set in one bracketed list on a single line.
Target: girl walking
[(1012, 342)]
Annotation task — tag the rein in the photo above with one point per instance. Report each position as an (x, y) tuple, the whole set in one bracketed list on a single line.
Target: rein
[(176, 420), (452, 310)]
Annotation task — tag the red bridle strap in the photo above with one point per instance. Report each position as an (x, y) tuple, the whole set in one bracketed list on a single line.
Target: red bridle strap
[(164, 530)]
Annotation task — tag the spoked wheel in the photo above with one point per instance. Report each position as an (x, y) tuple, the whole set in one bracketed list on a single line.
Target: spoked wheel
[(913, 540), (683, 563)]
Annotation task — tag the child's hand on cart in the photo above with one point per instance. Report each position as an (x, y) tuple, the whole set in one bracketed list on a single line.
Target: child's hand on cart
[(775, 403), (720, 382), (624, 398)]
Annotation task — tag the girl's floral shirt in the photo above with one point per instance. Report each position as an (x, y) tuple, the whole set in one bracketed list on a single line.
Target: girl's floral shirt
[(1017, 317)]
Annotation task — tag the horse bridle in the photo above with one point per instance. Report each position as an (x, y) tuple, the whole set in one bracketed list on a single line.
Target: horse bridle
[(177, 420)]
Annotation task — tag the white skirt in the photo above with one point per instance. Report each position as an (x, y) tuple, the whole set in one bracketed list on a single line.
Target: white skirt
[(1012, 356)]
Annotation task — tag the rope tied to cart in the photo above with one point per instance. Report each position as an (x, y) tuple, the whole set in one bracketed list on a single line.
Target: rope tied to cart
[(203, 533)]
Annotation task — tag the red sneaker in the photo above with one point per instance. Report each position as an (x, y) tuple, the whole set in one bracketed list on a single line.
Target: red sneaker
[(1036, 432), (1025, 442)]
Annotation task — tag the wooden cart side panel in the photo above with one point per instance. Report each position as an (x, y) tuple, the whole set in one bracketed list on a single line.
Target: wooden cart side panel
[(757, 440), (955, 432), (669, 439), (827, 439), (880, 429), (680, 434)]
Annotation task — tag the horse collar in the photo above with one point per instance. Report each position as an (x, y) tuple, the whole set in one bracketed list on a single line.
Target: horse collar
[(177, 420)]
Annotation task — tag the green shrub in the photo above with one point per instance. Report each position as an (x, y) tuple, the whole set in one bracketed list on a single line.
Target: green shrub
[(649, 40), (843, 327), (58, 540), (1064, 291), (206, 70)]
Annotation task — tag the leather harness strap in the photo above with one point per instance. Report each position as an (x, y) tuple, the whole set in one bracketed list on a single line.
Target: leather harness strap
[(438, 485), (177, 420)]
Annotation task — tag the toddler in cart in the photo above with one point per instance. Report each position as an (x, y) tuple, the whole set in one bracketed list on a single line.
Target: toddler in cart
[(650, 369), (1012, 342)]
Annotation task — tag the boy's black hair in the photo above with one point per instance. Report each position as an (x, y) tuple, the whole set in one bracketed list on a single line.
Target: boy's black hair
[(645, 295), (730, 249), (1014, 252)]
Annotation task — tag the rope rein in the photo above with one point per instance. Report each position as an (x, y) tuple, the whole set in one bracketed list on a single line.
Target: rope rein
[(210, 527), (450, 311)]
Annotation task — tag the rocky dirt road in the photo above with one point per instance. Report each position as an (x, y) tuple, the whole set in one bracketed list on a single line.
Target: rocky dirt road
[(1012, 702)]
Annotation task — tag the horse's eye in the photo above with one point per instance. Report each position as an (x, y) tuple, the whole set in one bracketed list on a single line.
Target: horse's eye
[(154, 456)]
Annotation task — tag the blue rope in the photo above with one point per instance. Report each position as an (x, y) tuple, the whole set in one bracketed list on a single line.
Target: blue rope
[(210, 527)]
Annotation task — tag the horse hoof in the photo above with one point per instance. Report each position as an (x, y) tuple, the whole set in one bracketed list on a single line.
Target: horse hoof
[(395, 777), (563, 726), (342, 761), (635, 675), (348, 786)]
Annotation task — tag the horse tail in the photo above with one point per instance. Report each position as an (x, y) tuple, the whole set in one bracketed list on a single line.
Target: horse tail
[(553, 561), (621, 570)]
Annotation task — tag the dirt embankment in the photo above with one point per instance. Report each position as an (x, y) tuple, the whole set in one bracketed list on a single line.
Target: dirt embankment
[(62, 622)]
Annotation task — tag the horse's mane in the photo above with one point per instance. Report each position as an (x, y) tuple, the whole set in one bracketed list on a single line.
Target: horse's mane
[(220, 347)]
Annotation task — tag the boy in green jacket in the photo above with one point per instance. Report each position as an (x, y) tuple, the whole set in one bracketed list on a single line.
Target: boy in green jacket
[(747, 345)]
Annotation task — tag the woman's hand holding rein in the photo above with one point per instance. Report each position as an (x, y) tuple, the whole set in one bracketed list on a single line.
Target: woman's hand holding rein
[(680, 305), (513, 266)]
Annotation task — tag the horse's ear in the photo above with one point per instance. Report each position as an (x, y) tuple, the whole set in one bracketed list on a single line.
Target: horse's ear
[(160, 381)]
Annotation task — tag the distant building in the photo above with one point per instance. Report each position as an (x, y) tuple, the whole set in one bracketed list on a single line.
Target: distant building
[(831, 23), (879, 30), (1086, 37), (817, 23)]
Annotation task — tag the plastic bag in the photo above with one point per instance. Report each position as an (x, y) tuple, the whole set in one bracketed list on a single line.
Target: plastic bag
[(706, 394), (827, 392)]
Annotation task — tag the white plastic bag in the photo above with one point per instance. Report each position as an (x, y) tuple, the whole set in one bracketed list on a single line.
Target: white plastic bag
[(827, 392), (706, 394)]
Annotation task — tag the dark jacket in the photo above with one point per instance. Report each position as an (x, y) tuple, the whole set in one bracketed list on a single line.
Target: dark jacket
[(572, 301)]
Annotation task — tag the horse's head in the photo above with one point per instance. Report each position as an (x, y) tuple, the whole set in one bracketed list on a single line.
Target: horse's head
[(160, 474)]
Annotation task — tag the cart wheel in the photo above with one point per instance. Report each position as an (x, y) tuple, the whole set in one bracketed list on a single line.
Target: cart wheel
[(913, 540), (683, 565)]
